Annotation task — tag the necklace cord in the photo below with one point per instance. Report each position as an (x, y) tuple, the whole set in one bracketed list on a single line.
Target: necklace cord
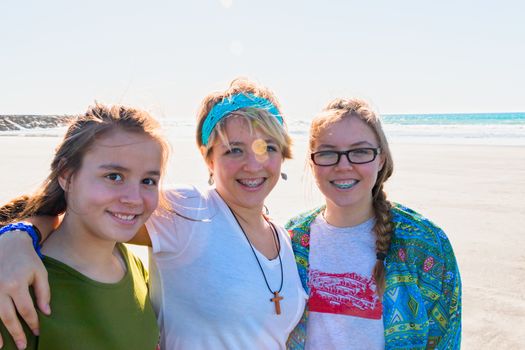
[(277, 243)]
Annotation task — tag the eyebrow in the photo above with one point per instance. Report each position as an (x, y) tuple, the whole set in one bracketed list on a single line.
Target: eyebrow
[(116, 167), (355, 144), (238, 143)]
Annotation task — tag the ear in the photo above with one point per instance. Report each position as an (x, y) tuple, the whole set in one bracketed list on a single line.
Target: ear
[(209, 161), (381, 162), (64, 179)]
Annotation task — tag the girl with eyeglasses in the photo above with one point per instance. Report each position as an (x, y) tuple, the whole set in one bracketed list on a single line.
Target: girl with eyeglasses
[(378, 274)]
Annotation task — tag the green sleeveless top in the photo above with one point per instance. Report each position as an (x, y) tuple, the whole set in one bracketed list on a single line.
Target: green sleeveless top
[(87, 314)]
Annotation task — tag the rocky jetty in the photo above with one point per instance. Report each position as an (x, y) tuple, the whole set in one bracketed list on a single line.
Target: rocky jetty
[(24, 122)]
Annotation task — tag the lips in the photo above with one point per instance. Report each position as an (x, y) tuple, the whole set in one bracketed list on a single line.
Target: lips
[(124, 217), (344, 184), (252, 183)]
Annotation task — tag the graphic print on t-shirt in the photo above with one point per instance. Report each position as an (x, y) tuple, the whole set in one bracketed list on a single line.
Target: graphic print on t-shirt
[(344, 294)]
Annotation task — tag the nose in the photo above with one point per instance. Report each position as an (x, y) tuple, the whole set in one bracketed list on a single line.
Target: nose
[(131, 195), (254, 161), (344, 163)]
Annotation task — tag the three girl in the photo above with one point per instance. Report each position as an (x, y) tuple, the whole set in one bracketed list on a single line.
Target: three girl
[(378, 275)]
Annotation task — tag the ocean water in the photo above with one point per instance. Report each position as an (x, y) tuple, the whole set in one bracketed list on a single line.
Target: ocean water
[(474, 128)]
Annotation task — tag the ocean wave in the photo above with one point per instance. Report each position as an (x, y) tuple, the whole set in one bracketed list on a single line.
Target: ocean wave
[(515, 118), (501, 133)]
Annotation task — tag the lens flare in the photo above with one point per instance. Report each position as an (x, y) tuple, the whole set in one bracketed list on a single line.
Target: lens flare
[(226, 3), (259, 147)]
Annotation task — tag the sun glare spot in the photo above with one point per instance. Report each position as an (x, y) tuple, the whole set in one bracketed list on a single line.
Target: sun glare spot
[(259, 147), (226, 3)]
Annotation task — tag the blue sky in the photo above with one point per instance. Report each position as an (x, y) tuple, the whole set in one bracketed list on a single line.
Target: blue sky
[(57, 57)]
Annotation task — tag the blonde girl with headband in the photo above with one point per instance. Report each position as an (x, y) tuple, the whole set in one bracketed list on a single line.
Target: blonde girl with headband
[(378, 274), (223, 275), (105, 180)]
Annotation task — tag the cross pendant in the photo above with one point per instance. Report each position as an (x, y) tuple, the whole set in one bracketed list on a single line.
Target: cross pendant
[(276, 299)]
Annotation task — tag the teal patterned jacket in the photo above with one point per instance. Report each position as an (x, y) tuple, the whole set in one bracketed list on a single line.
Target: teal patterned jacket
[(422, 300)]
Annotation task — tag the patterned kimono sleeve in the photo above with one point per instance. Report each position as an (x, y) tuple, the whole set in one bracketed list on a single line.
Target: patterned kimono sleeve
[(447, 313)]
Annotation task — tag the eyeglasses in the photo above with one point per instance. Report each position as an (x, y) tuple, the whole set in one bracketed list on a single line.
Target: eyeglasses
[(354, 156)]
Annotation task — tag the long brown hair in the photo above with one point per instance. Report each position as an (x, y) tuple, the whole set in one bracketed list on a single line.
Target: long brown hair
[(83, 131), (344, 108)]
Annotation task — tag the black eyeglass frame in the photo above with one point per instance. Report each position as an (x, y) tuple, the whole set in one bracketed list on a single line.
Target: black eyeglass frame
[(347, 154)]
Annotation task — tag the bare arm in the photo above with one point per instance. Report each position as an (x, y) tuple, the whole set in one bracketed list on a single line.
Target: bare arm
[(21, 267), (47, 224)]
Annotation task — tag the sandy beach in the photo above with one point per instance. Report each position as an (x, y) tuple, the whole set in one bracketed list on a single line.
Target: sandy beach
[(473, 192)]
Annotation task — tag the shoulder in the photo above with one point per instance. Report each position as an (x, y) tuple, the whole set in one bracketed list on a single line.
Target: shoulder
[(183, 193), (412, 224), (185, 201), (127, 254), (304, 219), (415, 233), (132, 260)]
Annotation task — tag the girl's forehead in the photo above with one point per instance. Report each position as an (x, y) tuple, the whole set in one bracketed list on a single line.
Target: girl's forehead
[(348, 130), (240, 128), (121, 138), (123, 146)]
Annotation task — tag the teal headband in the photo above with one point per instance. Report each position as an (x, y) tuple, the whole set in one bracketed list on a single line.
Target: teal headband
[(232, 104)]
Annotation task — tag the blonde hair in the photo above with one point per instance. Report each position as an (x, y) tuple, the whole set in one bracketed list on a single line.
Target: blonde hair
[(255, 117), (83, 131), (335, 111)]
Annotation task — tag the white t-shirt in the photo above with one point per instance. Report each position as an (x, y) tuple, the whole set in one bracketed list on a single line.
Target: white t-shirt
[(206, 286), (345, 311)]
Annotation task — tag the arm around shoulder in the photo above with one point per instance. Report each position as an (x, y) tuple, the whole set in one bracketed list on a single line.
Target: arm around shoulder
[(20, 267)]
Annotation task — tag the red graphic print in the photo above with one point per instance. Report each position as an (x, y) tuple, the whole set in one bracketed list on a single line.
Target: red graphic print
[(344, 294)]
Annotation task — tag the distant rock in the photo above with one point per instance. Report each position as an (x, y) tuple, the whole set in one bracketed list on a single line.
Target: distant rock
[(22, 122)]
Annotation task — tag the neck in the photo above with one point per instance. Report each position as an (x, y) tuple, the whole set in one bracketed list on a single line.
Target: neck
[(347, 216), (250, 216), (90, 255)]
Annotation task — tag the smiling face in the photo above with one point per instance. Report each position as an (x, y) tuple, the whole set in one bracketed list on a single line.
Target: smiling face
[(247, 168), (347, 186), (116, 188)]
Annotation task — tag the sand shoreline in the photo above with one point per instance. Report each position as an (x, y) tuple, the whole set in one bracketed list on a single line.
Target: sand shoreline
[(474, 192)]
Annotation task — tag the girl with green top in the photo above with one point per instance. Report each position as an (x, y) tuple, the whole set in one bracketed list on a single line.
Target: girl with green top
[(104, 179)]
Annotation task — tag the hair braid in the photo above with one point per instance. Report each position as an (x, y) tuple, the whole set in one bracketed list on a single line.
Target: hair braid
[(383, 229)]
